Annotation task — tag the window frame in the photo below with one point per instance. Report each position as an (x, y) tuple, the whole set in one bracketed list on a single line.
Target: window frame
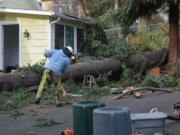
[(75, 34), (84, 33)]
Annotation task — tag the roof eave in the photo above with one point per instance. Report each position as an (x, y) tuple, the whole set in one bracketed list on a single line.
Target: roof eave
[(74, 19), (46, 13), (22, 11)]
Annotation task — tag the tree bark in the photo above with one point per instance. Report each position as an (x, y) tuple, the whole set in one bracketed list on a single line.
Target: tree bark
[(174, 49), (92, 67), (11, 81), (156, 58), (116, 6), (14, 80)]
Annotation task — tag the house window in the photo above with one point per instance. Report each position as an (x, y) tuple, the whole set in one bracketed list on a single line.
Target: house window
[(70, 36), (80, 39), (65, 36), (59, 38)]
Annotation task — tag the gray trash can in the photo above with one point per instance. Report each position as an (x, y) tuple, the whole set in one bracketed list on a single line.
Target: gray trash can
[(148, 123), (111, 121)]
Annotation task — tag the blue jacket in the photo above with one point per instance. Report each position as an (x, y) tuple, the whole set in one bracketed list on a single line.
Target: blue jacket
[(58, 62)]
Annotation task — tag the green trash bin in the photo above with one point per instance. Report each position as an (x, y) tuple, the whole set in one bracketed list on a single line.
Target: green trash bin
[(83, 116)]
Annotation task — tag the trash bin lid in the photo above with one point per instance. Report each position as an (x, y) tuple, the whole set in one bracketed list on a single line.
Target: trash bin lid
[(88, 104), (107, 110), (147, 116)]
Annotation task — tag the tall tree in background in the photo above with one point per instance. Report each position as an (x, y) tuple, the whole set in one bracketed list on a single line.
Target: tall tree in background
[(133, 9), (102, 11), (95, 8), (116, 7)]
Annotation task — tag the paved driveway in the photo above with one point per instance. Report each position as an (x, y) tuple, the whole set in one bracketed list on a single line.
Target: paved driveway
[(24, 125)]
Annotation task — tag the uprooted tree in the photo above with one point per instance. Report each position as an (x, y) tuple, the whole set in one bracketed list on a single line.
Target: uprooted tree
[(11, 81), (133, 9)]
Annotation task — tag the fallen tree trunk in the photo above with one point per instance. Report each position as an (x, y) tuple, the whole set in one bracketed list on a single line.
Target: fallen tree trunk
[(140, 61), (142, 88), (14, 80), (95, 68), (11, 81)]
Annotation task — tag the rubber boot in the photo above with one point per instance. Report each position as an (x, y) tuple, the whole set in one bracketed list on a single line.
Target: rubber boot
[(37, 101), (58, 103)]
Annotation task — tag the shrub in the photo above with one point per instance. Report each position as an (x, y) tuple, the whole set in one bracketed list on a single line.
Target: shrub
[(93, 46), (158, 35), (152, 39), (160, 81), (175, 73), (96, 48), (120, 50), (100, 34), (99, 47), (127, 73), (37, 67)]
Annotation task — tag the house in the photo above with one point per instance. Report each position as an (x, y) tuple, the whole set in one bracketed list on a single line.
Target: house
[(26, 31)]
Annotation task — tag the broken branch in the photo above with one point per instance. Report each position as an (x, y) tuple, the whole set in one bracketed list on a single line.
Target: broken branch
[(142, 88)]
